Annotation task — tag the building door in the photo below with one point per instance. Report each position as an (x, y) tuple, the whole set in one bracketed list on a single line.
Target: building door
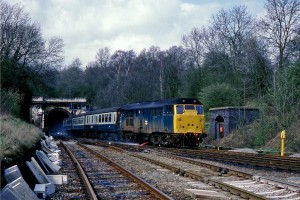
[(219, 127)]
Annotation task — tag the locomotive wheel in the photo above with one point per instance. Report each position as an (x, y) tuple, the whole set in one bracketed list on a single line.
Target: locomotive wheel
[(155, 139)]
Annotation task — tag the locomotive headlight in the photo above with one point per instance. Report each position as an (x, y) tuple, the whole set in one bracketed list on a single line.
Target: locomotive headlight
[(146, 122)]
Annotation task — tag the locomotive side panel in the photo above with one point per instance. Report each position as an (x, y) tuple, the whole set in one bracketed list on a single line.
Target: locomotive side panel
[(146, 121)]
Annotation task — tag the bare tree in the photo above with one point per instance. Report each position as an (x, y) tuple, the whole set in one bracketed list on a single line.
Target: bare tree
[(102, 57), (22, 42), (70, 81), (121, 63), (20, 39), (279, 27), (194, 43), (173, 65), (233, 28)]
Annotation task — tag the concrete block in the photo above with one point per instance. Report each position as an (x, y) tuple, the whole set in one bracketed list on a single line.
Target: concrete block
[(8, 194), (12, 173), (51, 144), (20, 189), (48, 150), (58, 179), (204, 194), (45, 160), (43, 190), (37, 171), (58, 162), (53, 156)]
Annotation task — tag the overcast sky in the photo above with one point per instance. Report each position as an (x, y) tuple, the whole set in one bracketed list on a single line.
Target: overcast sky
[(88, 25)]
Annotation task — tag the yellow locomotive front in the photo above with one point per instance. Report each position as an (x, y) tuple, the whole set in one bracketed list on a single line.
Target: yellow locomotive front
[(189, 121)]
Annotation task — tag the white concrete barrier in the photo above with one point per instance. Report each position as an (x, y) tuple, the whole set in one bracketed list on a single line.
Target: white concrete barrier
[(12, 173), (46, 162), (18, 189)]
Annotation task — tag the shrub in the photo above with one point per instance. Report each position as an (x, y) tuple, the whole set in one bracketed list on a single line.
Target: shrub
[(16, 136), (10, 102), (219, 95)]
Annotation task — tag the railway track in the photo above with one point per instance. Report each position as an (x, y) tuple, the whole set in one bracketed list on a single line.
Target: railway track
[(76, 188), (259, 160), (241, 184), (250, 159), (104, 179)]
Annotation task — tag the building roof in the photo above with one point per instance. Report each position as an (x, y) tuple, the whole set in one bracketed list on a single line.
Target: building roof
[(233, 108)]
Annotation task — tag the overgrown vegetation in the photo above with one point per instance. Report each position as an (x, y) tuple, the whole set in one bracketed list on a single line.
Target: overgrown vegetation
[(16, 136), (219, 95), (10, 102)]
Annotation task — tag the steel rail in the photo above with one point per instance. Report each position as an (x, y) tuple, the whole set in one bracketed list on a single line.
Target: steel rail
[(157, 193), (272, 161), (195, 175), (91, 193), (290, 186)]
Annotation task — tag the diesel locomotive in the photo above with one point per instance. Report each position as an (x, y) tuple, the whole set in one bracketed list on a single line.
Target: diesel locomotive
[(174, 122)]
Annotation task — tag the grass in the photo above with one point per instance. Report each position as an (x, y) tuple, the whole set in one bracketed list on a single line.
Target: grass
[(261, 136), (16, 136)]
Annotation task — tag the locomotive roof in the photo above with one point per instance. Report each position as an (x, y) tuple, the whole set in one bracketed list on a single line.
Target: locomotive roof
[(143, 105), (160, 103)]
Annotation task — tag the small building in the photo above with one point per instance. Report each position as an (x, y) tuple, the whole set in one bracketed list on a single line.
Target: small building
[(226, 119)]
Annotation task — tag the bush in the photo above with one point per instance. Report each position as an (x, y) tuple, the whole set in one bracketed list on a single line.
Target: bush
[(10, 102), (219, 95), (293, 137), (16, 136)]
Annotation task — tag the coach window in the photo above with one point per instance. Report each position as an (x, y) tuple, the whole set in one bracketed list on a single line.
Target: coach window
[(109, 117), (114, 118), (179, 109)]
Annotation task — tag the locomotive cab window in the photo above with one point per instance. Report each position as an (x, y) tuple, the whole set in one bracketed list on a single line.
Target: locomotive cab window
[(189, 107), (179, 109), (199, 110)]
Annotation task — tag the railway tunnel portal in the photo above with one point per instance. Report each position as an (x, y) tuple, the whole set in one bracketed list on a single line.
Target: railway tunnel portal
[(49, 113)]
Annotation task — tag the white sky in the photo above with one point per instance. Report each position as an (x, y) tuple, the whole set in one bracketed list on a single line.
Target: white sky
[(88, 25)]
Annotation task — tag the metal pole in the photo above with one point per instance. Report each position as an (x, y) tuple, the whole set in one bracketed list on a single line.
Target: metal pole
[(282, 136)]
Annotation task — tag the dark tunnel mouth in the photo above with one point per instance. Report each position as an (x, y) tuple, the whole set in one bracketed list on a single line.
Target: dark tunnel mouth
[(54, 121)]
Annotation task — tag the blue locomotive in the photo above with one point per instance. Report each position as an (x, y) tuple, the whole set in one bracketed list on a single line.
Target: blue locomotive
[(176, 122)]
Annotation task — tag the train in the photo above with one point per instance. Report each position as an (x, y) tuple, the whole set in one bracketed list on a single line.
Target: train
[(174, 122)]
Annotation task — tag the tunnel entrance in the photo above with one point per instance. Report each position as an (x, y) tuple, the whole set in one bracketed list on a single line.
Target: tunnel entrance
[(54, 121)]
